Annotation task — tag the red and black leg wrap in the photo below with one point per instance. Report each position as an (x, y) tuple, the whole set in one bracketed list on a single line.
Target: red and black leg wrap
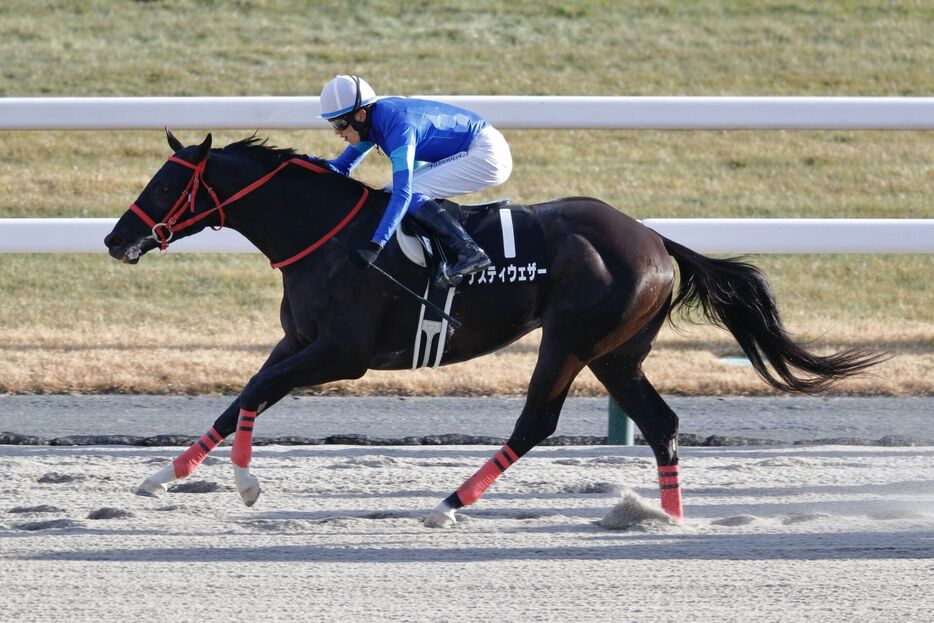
[(669, 484), (242, 452), (186, 463), (470, 491)]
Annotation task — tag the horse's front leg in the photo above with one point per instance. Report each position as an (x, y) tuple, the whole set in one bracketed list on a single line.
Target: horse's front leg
[(320, 362), (186, 463)]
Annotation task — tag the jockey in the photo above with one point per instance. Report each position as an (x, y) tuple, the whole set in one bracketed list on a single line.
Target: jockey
[(462, 152)]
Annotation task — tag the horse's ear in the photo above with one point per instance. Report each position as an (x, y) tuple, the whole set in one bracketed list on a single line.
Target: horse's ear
[(174, 143), (202, 150)]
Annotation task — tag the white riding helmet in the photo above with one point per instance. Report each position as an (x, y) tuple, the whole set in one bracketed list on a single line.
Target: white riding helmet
[(344, 94)]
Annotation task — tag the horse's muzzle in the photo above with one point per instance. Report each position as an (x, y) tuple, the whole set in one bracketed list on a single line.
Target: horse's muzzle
[(127, 253)]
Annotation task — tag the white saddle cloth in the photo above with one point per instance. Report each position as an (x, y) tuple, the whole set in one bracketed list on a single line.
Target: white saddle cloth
[(411, 247)]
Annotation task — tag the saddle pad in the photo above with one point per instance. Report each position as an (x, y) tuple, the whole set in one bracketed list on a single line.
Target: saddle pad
[(514, 240), (411, 247)]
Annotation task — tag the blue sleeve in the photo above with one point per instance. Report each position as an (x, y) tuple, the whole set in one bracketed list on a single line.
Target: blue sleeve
[(350, 158), (403, 162)]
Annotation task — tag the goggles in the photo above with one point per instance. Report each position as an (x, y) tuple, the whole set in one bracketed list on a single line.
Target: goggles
[(340, 123)]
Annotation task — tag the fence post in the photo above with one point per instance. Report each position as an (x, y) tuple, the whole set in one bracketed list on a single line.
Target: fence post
[(620, 429)]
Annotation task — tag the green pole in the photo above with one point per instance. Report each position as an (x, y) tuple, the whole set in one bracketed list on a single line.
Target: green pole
[(620, 429)]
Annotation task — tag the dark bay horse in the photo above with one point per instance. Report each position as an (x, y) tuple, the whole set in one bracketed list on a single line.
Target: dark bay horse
[(610, 287)]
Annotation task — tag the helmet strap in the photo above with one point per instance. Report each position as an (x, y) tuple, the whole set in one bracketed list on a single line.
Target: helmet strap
[(362, 127)]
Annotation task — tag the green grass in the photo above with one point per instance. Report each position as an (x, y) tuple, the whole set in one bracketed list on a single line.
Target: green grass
[(255, 47), (179, 47), (646, 174), (175, 294)]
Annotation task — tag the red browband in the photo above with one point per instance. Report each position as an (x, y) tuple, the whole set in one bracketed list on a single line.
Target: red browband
[(187, 200)]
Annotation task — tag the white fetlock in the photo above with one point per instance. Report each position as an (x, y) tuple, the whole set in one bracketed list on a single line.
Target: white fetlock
[(247, 485), (154, 486), (441, 517)]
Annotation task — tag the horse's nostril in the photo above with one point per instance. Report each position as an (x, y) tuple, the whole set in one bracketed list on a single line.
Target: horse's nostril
[(113, 240)]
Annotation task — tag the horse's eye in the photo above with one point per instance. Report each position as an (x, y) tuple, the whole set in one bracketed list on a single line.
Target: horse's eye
[(160, 192)]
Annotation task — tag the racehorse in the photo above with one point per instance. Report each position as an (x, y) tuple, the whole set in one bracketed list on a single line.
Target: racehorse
[(610, 285)]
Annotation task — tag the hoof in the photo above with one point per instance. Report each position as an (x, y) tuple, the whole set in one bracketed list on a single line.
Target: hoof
[(151, 489), (247, 485), (154, 486), (250, 495), (441, 517)]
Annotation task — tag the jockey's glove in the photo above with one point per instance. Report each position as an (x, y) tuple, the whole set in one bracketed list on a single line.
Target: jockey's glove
[(364, 258)]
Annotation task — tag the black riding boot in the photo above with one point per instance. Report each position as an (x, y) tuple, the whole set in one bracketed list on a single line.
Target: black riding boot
[(470, 257)]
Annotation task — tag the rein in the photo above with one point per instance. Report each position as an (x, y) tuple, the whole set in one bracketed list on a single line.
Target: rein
[(170, 224)]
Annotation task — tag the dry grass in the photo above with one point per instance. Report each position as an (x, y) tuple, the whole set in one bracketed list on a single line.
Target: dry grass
[(688, 362)]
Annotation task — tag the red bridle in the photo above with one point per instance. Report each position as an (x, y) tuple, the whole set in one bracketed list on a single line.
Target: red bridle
[(171, 224)]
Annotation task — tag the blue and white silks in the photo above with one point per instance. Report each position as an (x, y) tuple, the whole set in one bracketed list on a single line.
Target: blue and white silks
[(410, 130)]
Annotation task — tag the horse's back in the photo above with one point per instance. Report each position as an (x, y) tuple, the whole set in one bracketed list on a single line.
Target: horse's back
[(616, 237)]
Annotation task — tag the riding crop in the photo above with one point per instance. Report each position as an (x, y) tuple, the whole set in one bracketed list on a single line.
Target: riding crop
[(455, 324)]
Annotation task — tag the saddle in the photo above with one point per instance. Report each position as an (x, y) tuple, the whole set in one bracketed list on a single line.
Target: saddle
[(424, 249), (509, 233)]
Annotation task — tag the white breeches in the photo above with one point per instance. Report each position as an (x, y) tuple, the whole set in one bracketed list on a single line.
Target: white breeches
[(487, 162)]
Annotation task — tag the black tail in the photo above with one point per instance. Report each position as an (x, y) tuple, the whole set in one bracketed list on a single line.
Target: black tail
[(736, 296)]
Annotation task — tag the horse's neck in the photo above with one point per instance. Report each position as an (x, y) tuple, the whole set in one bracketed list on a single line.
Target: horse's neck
[(289, 212)]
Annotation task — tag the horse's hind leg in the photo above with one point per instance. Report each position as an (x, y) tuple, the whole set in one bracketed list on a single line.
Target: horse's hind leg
[(548, 388), (659, 424)]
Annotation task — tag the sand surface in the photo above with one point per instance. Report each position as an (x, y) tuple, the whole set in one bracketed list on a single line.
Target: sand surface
[(825, 533)]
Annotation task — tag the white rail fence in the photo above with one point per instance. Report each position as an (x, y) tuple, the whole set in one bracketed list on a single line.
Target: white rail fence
[(644, 113), (632, 113), (86, 235)]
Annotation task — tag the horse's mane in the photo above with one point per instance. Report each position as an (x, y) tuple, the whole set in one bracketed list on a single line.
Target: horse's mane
[(257, 148)]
